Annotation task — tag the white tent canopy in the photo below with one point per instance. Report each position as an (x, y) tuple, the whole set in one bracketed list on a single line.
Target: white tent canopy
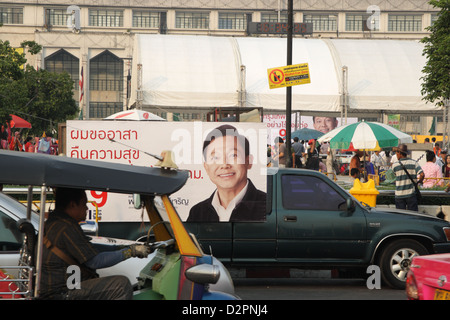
[(383, 74), (203, 71)]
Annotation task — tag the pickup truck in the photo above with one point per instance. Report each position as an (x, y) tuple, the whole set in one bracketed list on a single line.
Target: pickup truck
[(312, 222)]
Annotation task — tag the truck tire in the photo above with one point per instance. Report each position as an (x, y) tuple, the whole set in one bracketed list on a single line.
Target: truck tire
[(395, 261)]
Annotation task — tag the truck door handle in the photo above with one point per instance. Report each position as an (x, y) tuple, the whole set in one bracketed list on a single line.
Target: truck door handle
[(290, 218)]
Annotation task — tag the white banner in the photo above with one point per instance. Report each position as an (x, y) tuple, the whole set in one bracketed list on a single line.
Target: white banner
[(129, 142)]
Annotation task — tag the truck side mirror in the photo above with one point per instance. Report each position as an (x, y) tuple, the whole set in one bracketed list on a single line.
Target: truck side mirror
[(350, 205)]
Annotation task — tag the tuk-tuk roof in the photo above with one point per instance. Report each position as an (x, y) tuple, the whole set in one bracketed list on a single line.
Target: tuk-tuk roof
[(23, 168)]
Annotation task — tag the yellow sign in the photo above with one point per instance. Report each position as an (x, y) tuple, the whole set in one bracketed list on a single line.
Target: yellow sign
[(288, 76), (20, 51)]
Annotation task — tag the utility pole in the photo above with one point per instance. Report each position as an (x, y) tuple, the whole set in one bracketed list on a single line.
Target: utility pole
[(289, 88)]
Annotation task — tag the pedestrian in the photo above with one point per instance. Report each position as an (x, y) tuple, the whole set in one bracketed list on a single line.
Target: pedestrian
[(377, 160), (3, 138), (355, 161), (446, 167), (441, 159), (299, 151), (330, 160), (16, 143), (432, 170), (408, 174), (279, 158), (393, 158), (66, 245), (44, 144), (29, 146), (312, 161), (437, 149), (354, 174)]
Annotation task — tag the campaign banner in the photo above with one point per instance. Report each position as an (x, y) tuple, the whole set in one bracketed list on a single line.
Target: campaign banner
[(276, 124), (133, 143)]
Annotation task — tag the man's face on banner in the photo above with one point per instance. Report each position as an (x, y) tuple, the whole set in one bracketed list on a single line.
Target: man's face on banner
[(325, 124), (226, 163)]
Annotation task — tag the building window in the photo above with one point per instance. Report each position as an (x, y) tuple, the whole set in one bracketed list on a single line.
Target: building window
[(192, 20), (405, 23), (358, 22), (321, 22), (234, 21), (105, 18), (106, 73), (56, 17), (104, 109), (145, 19), (273, 17), (11, 15), (62, 61), (106, 84), (434, 17)]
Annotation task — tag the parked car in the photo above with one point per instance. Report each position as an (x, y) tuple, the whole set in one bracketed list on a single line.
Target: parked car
[(311, 222), (428, 278), (178, 269)]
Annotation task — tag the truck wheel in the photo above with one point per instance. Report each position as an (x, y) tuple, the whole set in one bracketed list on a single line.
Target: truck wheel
[(395, 261)]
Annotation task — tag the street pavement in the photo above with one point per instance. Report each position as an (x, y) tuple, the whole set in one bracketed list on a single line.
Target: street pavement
[(313, 289)]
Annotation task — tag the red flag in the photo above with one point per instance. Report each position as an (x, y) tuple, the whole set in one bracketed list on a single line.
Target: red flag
[(81, 82)]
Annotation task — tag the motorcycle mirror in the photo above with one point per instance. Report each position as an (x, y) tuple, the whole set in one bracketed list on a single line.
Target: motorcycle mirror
[(137, 201), (203, 273), (89, 227)]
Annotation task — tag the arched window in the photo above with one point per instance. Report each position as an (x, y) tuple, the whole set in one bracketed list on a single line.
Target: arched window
[(61, 61), (106, 85)]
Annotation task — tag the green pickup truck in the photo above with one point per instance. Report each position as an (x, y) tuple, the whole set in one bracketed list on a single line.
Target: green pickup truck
[(312, 222)]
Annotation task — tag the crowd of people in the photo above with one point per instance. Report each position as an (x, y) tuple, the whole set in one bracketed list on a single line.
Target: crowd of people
[(13, 140), (310, 155), (306, 155)]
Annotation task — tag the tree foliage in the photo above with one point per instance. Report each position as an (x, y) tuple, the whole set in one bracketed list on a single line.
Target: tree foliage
[(436, 81), (42, 98)]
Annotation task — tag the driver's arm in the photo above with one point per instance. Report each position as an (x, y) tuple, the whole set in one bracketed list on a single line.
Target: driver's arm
[(107, 259)]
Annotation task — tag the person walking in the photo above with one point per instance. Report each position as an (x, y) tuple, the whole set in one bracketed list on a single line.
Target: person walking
[(299, 151), (406, 172), (279, 158), (313, 156), (432, 170)]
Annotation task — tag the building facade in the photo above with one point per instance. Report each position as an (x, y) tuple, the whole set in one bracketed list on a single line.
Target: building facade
[(93, 40)]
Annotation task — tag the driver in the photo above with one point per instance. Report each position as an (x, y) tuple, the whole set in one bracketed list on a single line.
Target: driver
[(66, 245)]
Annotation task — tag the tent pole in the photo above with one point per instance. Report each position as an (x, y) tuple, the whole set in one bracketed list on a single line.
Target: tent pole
[(139, 99), (344, 97)]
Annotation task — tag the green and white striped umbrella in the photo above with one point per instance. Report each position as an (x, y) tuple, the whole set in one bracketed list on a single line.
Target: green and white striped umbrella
[(365, 136)]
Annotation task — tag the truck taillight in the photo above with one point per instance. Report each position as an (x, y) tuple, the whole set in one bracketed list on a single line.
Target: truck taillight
[(447, 233), (411, 287)]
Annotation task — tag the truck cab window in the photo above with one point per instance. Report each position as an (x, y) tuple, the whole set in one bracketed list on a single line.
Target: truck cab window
[(309, 193)]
